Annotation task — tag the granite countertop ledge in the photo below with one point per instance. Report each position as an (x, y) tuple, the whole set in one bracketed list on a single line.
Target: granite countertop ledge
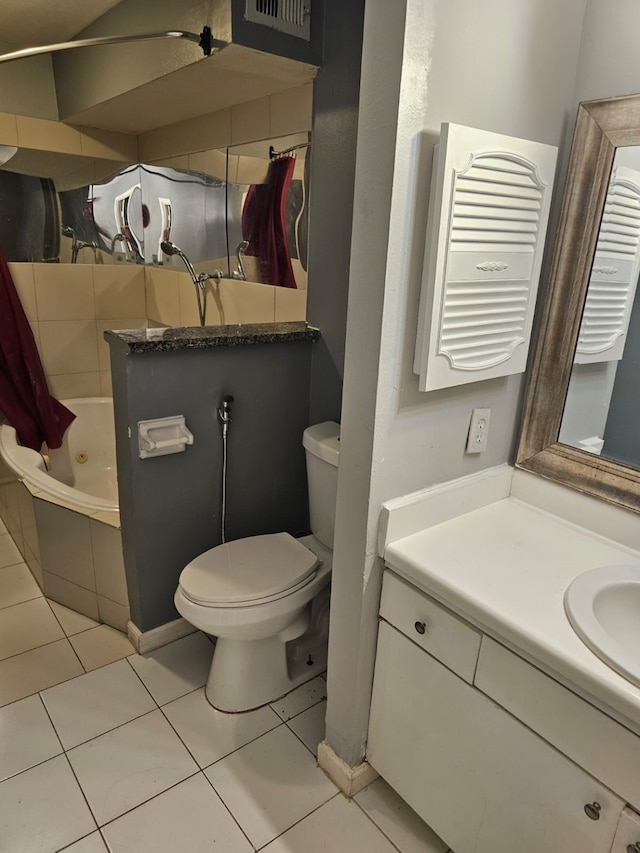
[(177, 338)]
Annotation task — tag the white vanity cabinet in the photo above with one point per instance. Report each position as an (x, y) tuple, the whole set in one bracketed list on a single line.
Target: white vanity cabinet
[(475, 772)]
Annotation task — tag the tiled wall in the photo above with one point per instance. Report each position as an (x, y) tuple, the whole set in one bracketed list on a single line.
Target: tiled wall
[(75, 558), (171, 301), (69, 306), (286, 112)]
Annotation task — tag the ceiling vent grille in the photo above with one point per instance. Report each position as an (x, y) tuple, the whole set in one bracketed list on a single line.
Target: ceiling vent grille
[(288, 16)]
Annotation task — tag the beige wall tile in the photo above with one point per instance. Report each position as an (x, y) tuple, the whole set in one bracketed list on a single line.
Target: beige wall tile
[(250, 121), (108, 144), (215, 164), (64, 291), (47, 135), (35, 329), (115, 615), (108, 562), (71, 595), (221, 305), (119, 291), (67, 386), (290, 304), (163, 299), (255, 302), (292, 110), (69, 346), (214, 130), (106, 386), (189, 315), (22, 275), (65, 544), (104, 351), (8, 129)]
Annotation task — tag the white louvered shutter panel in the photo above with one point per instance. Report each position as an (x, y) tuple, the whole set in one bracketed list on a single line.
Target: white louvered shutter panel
[(488, 213), (614, 274)]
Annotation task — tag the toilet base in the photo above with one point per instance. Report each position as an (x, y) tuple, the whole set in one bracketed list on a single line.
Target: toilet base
[(246, 674)]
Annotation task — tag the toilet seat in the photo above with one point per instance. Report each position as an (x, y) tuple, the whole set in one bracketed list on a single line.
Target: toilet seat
[(256, 569)]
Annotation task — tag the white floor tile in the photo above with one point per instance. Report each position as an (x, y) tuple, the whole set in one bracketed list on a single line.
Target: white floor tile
[(126, 767), (397, 820), (100, 646), (17, 585), (27, 626), (210, 734), (310, 725), (301, 698), (91, 844), (337, 825), (175, 669), (270, 784), (9, 554), (71, 621), (189, 817), (97, 702), (27, 737), (42, 809), (36, 670)]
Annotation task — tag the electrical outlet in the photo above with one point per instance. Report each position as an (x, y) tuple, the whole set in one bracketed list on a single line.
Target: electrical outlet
[(479, 431)]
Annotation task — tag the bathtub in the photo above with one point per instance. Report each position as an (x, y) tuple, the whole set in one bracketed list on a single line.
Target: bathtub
[(61, 507), (83, 470)]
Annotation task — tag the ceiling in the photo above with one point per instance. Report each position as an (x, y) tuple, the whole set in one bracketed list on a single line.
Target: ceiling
[(233, 76), (25, 23)]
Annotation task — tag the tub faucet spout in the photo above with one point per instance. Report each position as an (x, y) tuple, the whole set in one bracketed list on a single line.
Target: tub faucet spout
[(239, 273)]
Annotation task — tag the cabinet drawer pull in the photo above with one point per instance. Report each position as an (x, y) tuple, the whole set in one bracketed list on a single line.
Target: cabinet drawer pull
[(633, 848), (420, 627), (592, 811)]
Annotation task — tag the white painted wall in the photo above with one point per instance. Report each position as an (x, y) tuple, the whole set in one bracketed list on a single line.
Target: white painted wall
[(502, 66)]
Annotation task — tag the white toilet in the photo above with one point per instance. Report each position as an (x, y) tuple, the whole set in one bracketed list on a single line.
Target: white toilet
[(266, 598)]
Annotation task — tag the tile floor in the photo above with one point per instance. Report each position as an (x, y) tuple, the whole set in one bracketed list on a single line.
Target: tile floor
[(104, 750)]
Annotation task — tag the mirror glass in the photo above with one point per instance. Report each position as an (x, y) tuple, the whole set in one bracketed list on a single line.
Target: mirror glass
[(601, 407), (240, 211)]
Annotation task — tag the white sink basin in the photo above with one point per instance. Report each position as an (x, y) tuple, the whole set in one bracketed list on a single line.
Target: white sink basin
[(603, 607)]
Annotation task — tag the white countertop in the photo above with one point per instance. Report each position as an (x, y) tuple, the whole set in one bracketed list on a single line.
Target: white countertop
[(505, 567)]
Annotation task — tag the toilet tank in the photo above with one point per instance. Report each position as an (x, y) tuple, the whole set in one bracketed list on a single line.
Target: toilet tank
[(322, 449)]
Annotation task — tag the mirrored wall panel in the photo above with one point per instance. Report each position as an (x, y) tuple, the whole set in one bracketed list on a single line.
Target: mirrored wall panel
[(237, 213)]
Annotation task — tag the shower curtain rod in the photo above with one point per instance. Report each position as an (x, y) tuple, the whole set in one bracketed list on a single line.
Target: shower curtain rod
[(205, 40), (273, 153)]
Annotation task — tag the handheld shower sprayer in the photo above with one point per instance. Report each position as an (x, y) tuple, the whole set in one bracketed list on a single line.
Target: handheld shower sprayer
[(198, 279)]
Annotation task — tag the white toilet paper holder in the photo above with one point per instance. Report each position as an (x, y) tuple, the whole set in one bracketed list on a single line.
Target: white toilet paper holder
[(161, 436)]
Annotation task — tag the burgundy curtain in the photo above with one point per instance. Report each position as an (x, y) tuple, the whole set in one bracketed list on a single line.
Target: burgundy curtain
[(264, 223), (24, 398)]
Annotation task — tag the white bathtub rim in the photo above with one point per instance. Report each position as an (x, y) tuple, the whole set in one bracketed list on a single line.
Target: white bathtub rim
[(28, 466)]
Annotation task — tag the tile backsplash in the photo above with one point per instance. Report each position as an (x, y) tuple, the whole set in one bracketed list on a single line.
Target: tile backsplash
[(70, 306)]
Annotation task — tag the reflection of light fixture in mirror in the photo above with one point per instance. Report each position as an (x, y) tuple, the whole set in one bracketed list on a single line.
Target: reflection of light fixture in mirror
[(205, 40), (6, 153)]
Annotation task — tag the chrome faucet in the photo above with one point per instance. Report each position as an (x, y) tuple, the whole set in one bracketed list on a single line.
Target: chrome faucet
[(239, 273)]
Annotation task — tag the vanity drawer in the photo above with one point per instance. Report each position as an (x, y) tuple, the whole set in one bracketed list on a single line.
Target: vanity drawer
[(434, 628), (599, 744)]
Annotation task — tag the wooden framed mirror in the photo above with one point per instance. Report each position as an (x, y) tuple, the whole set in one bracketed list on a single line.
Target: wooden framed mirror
[(603, 127)]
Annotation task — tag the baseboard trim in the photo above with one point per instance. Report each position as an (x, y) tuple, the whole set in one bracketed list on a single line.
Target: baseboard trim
[(349, 779), (146, 641)]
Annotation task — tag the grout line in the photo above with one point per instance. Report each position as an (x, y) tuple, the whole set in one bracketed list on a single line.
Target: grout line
[(231, 814), (226, 755), (66, 637), (64, 680), (313, 811), (101, 826)]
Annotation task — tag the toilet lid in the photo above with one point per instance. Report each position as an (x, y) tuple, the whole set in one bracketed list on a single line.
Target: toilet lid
[(247, 569)]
